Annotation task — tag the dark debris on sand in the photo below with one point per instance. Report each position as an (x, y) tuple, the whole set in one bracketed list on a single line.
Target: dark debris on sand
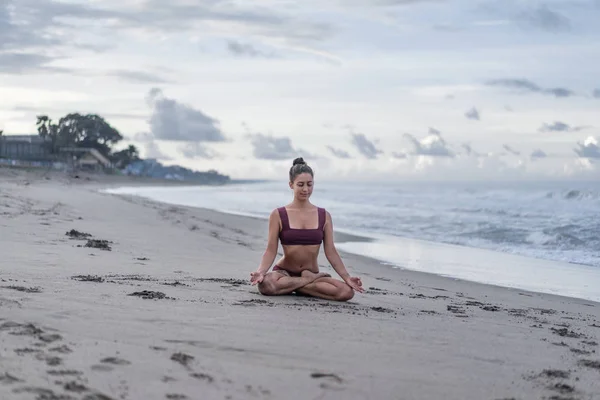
[(555, 373), (228, 281), (149, 294), (590, 364), (381, 309), (564, 332), (202, 376), (182, 358), (99, 244), (320, 375), (24, 289), (75, 234), (88, 278), (176, 283), (253, 302)]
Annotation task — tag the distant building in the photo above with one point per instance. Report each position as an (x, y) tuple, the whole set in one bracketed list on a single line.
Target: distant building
[(23, 147), (85, 158)]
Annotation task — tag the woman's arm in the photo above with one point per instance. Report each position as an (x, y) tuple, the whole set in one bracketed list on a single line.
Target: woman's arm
[(271, 251), (334, 258)]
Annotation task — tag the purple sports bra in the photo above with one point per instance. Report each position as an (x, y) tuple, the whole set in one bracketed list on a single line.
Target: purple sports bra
[(293, 236)]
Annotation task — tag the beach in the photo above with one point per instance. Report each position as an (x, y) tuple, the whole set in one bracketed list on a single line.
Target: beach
[(107, 296)]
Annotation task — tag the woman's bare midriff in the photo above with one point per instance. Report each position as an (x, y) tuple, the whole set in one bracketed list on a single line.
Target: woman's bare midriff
[(297, 258)]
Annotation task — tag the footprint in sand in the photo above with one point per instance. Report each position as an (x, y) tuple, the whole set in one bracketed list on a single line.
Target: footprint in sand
[(182, 358), (594, 364), (8, 379), (202, 377), (321, 375), (114, 361)]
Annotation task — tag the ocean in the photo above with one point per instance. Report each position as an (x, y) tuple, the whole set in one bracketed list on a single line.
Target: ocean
[(554, 221)]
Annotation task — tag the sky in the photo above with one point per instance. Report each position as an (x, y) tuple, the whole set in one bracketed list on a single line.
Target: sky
[(361, 89)]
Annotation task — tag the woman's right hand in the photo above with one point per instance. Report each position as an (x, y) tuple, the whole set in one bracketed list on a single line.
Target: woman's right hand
[(256, 277)]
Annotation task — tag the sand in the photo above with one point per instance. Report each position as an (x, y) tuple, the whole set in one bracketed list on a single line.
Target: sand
[(116, 297)]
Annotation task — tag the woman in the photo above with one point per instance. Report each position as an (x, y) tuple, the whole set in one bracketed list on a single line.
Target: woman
[(302, 227)]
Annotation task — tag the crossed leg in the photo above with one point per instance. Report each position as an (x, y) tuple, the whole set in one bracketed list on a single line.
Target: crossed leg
[(316, 285)]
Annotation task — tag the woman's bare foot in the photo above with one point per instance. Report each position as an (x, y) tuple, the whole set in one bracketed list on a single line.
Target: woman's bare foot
[(309, 274)]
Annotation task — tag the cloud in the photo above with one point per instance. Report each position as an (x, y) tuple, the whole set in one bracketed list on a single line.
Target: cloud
[(267, 147), (365, 146), (339, 153), (195, 150), (40, 24), (48, 27), (588, 149), (536, 154), (545, 19), (469, 150), (558, 126), (171, 120), (152, 150), (433, 131), (473, 114), (399, 156), (19, 63), (526, 86), (224, 18), (138, 76), (244, 49), (596, 93), (432, 145), (511, 150)]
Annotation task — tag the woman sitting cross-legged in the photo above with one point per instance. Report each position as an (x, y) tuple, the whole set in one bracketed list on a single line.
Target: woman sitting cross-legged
[(302, 227)]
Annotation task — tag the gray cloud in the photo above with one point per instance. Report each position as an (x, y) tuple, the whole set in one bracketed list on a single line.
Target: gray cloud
[(596, 93), (473, 114), (526, 86), (388, 2), (339, 153), (469, 150), (545, 19), (588, 149), (180, 15), (558, 126), (433, 131), (536, 154), (152, 150), (432, 145), (171, 120), (267, 147), (44, 26), (195, 150), (511, 150), (365, 146), (399, 156), (138, 76), (244, 49), (41, 23), (19, 63)]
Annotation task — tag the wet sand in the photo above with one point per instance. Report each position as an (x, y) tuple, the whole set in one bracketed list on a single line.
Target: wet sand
[(117, 297)]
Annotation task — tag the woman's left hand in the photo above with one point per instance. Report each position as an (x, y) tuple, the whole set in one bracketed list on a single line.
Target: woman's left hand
[(355, 283)]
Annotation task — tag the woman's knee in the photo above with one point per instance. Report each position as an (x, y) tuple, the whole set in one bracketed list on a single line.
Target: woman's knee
[(268, 286), (345, 293)]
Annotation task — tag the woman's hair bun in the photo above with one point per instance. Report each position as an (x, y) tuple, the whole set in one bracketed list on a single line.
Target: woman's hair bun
[(299, 160)]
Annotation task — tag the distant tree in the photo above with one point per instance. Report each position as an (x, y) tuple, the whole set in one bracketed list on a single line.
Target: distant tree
[(77, 130), (123, 158)]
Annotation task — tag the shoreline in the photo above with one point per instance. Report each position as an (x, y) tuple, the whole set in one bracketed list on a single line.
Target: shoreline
[(167, 312), (348, 239)]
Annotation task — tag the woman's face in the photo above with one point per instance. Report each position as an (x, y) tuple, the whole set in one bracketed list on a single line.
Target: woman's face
[(302, 186)]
